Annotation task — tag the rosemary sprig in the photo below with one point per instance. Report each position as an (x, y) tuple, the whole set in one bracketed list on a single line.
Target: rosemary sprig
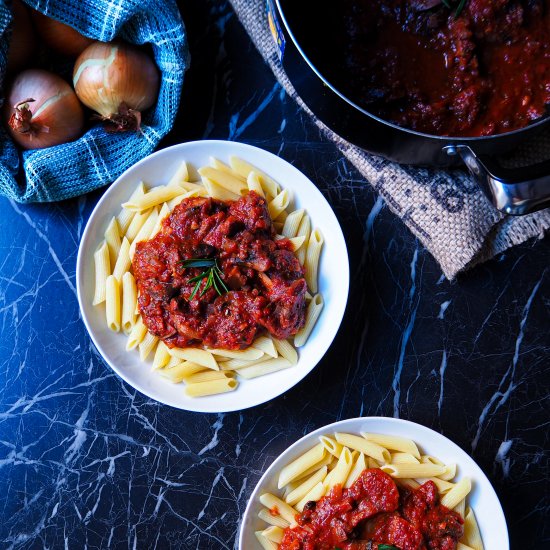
[(212, 275), (450, 3)]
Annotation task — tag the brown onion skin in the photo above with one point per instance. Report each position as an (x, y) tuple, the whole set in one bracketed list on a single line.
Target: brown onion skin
[(132, 79), (59, 37), (64, 118), (23, 41)]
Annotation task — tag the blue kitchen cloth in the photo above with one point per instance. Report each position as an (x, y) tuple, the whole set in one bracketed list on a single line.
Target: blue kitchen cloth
[(98, 157)]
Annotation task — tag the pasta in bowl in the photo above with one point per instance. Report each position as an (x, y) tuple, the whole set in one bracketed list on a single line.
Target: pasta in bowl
[(374, 483), (200, 263)]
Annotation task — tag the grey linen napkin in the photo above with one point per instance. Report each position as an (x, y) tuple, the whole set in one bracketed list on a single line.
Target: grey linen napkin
[(446, 210)]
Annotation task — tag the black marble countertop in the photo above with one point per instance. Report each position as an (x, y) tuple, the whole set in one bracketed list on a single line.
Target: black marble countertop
[(88, 462)]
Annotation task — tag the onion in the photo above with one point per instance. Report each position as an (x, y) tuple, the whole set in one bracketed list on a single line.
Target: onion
[(117, 81), (42, 110), (22, 42), (59, 37)]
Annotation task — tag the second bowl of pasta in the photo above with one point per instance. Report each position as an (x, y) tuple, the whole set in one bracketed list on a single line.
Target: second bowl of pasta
[(212, 276)]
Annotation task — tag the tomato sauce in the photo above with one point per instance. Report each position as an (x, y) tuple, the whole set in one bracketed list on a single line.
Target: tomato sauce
[(417, 64), (264, 280), (375, 511)]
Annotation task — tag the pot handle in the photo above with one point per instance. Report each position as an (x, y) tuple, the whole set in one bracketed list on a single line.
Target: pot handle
[(514, 191)]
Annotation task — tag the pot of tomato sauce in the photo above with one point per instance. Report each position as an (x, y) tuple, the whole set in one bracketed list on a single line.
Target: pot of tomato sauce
[(428, 82)]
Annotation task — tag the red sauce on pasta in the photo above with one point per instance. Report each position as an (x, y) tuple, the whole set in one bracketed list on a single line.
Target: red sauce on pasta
[(374, 511), (264, 279)]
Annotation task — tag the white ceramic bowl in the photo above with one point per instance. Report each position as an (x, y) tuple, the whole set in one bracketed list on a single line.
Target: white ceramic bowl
[(333, 276), (483, 499)]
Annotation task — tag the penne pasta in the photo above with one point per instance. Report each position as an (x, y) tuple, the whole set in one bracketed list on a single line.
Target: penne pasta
[(237, 364), (304, 230), (356, 470), (265, 543), (162, 357), (138, 332), (125, 216), (216, 191), (253, 183), (249, 354), (163, 213), (129, 300), (147, 345), (112, 238), (278, 507), (449, 473), (462, 546), (272, 519), (112, 303), (265, 345), (123, 262), (313, 311), (135, 225), (102, 265), (472, 535), (412, 470), (363, 446), (325, 461), (196, 355), (409, 483), (442, 485), (177, 373), (394, 443), (313, 253), (457, 493), (181, 175), (227, 180), (222, 167), (306, 486), (339, 475), (273, 533), (211, 387), (331, 445), (265, 367), (207, 376), (154, 197), (286, 350), (460, 507), (244, 168), (292, 223), (279, 204), (293, 470), (145, 231), (315, 494), (403, 458)]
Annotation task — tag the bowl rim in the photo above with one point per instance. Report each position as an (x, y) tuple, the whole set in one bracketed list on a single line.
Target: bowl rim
[(330, 428), (336, 319)]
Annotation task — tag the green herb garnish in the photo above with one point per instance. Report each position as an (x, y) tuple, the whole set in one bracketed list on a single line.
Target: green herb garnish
[(212, 275), (387, 547), (459, 7)]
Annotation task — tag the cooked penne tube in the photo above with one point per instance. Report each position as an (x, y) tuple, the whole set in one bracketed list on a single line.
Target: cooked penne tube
[(325, 461), (304, 230), (249, 354), (197, 191), (265, 543), (265, 367), (138, 332), (305, 487), (293, 470), (363, 446), (273, 533), (277, 506), (412, 470), (409, 483), (224, 179), (312, 314), (196, 355), (102, 264), (216, 191), (181, 175), (393, 443), (112, 238), (265, 345), (125, 216), (286, 350), (207, 376), (358, 467), (339, 475), (315, 494), (253, 183), (123, 262), (244, 168), (460, 507), (145, 231), (313, 253), (129, 300), (292, 223), (457, 493), (265, 515), (472, 535), (462, 546), (155, 196), (222, 167), (135, 225), (164, 211), (147, 345), (211, 387), (236, 364), (279, 204), (178, 373), (429, 459), (403, 458), (331, 445), (162, 357), (449, 473), (112, 303), (442, 485)]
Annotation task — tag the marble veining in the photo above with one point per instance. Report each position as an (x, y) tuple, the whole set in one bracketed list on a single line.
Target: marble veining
[(88, 462)]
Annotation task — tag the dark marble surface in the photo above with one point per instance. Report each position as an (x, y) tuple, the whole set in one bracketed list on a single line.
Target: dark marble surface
[(87, 462)]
